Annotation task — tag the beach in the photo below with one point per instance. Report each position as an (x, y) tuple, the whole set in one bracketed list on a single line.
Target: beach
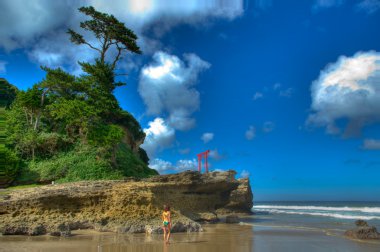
[(252, 234)]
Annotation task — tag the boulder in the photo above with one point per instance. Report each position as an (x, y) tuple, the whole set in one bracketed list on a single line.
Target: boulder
[(361, 223), (363, 231)]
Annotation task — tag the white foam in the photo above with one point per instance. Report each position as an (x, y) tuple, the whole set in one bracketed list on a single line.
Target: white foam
[(333, 215), (373, 210)]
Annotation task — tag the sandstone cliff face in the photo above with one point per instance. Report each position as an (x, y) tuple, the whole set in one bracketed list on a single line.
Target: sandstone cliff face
[(125, 206)]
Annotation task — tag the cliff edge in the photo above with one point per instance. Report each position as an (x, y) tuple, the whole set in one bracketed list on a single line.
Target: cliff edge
[(129, 206)]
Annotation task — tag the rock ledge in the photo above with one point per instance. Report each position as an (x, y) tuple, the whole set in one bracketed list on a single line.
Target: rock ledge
[(130, 206)]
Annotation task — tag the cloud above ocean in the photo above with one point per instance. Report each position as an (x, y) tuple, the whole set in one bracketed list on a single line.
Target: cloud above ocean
[(348, 89)]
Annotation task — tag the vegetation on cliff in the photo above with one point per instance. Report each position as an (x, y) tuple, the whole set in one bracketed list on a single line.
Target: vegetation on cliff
[(71, 128)]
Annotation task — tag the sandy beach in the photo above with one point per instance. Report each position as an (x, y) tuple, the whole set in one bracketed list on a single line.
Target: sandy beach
[(216, 237)]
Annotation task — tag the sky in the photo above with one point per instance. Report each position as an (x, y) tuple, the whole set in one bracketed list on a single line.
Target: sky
[(286, 93)]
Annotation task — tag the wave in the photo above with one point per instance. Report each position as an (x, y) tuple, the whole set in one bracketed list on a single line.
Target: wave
[(372, 210), (333, 215)]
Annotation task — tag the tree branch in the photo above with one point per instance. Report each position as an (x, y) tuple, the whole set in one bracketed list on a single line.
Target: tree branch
[(119, 49), (97, 49)]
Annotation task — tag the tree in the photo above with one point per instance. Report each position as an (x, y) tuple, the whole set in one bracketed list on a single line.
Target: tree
[(109, 31), (7, 93)]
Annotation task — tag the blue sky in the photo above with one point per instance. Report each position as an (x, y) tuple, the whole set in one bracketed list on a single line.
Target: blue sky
[(287, 93)]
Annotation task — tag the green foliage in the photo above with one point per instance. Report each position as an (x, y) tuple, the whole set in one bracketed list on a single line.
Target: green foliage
[(143, 156), (127, 120), (131, 165), (82, 163), (107, 135), (70, 128), (9, 164), (109, 31), (7, 93)]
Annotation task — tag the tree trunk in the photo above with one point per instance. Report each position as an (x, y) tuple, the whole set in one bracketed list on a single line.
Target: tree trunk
[(39, 111)]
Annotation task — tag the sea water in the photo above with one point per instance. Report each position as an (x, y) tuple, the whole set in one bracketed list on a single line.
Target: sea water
[(338, 216)]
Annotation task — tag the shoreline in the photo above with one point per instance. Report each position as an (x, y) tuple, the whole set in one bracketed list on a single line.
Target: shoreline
[(216, 237)]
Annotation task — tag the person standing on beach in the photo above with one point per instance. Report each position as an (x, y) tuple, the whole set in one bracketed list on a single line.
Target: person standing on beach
[(166, 220)]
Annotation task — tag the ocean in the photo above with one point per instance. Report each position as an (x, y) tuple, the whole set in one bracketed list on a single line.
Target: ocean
[(328, 216)]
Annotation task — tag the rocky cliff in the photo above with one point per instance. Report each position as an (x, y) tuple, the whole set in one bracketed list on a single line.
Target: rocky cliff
[(125, 206)]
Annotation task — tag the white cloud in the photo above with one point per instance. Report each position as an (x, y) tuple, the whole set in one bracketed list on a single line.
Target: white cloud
[(160, 165), (277, 86), (159, 135), (244, 174), (250, 133), (347, 89), (207, 137), (325, 4), (268, 126), (186, 164), (167, 86), (163, 166), (371, 144), (216, 155), (40, 26), (257, 96), (368, 6), (3, 69), (184, 151), (287, 92), (24, 22)]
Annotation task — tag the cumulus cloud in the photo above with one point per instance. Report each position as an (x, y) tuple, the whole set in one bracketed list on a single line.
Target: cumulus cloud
[(159, 135), (257, 96), (163, 166), (214, 154), (250, 133), (207, 137), (160, 165), (268, 126), (39, 26), (167, 86), (325, 4), (368, 6), (186, 164), (244, 174), (371, 144), (2, 66), (347, 89)]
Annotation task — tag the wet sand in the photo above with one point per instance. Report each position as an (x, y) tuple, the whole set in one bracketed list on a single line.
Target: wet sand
[(217, 237)]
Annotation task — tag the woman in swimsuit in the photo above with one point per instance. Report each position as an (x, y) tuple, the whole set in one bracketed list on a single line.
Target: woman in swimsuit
[(166, 220)]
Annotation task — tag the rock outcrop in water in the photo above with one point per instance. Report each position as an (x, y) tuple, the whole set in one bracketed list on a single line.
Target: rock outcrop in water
[(363, 231), (130, 206)]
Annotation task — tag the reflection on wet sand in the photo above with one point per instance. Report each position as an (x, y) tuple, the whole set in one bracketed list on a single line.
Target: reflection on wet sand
[(219, 237)]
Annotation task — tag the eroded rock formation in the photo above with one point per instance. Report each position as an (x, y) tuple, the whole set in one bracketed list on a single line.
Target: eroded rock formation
[(363, 231), (125, 206)]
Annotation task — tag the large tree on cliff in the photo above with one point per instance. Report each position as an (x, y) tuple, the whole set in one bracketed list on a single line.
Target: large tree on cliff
[(109, 32)]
